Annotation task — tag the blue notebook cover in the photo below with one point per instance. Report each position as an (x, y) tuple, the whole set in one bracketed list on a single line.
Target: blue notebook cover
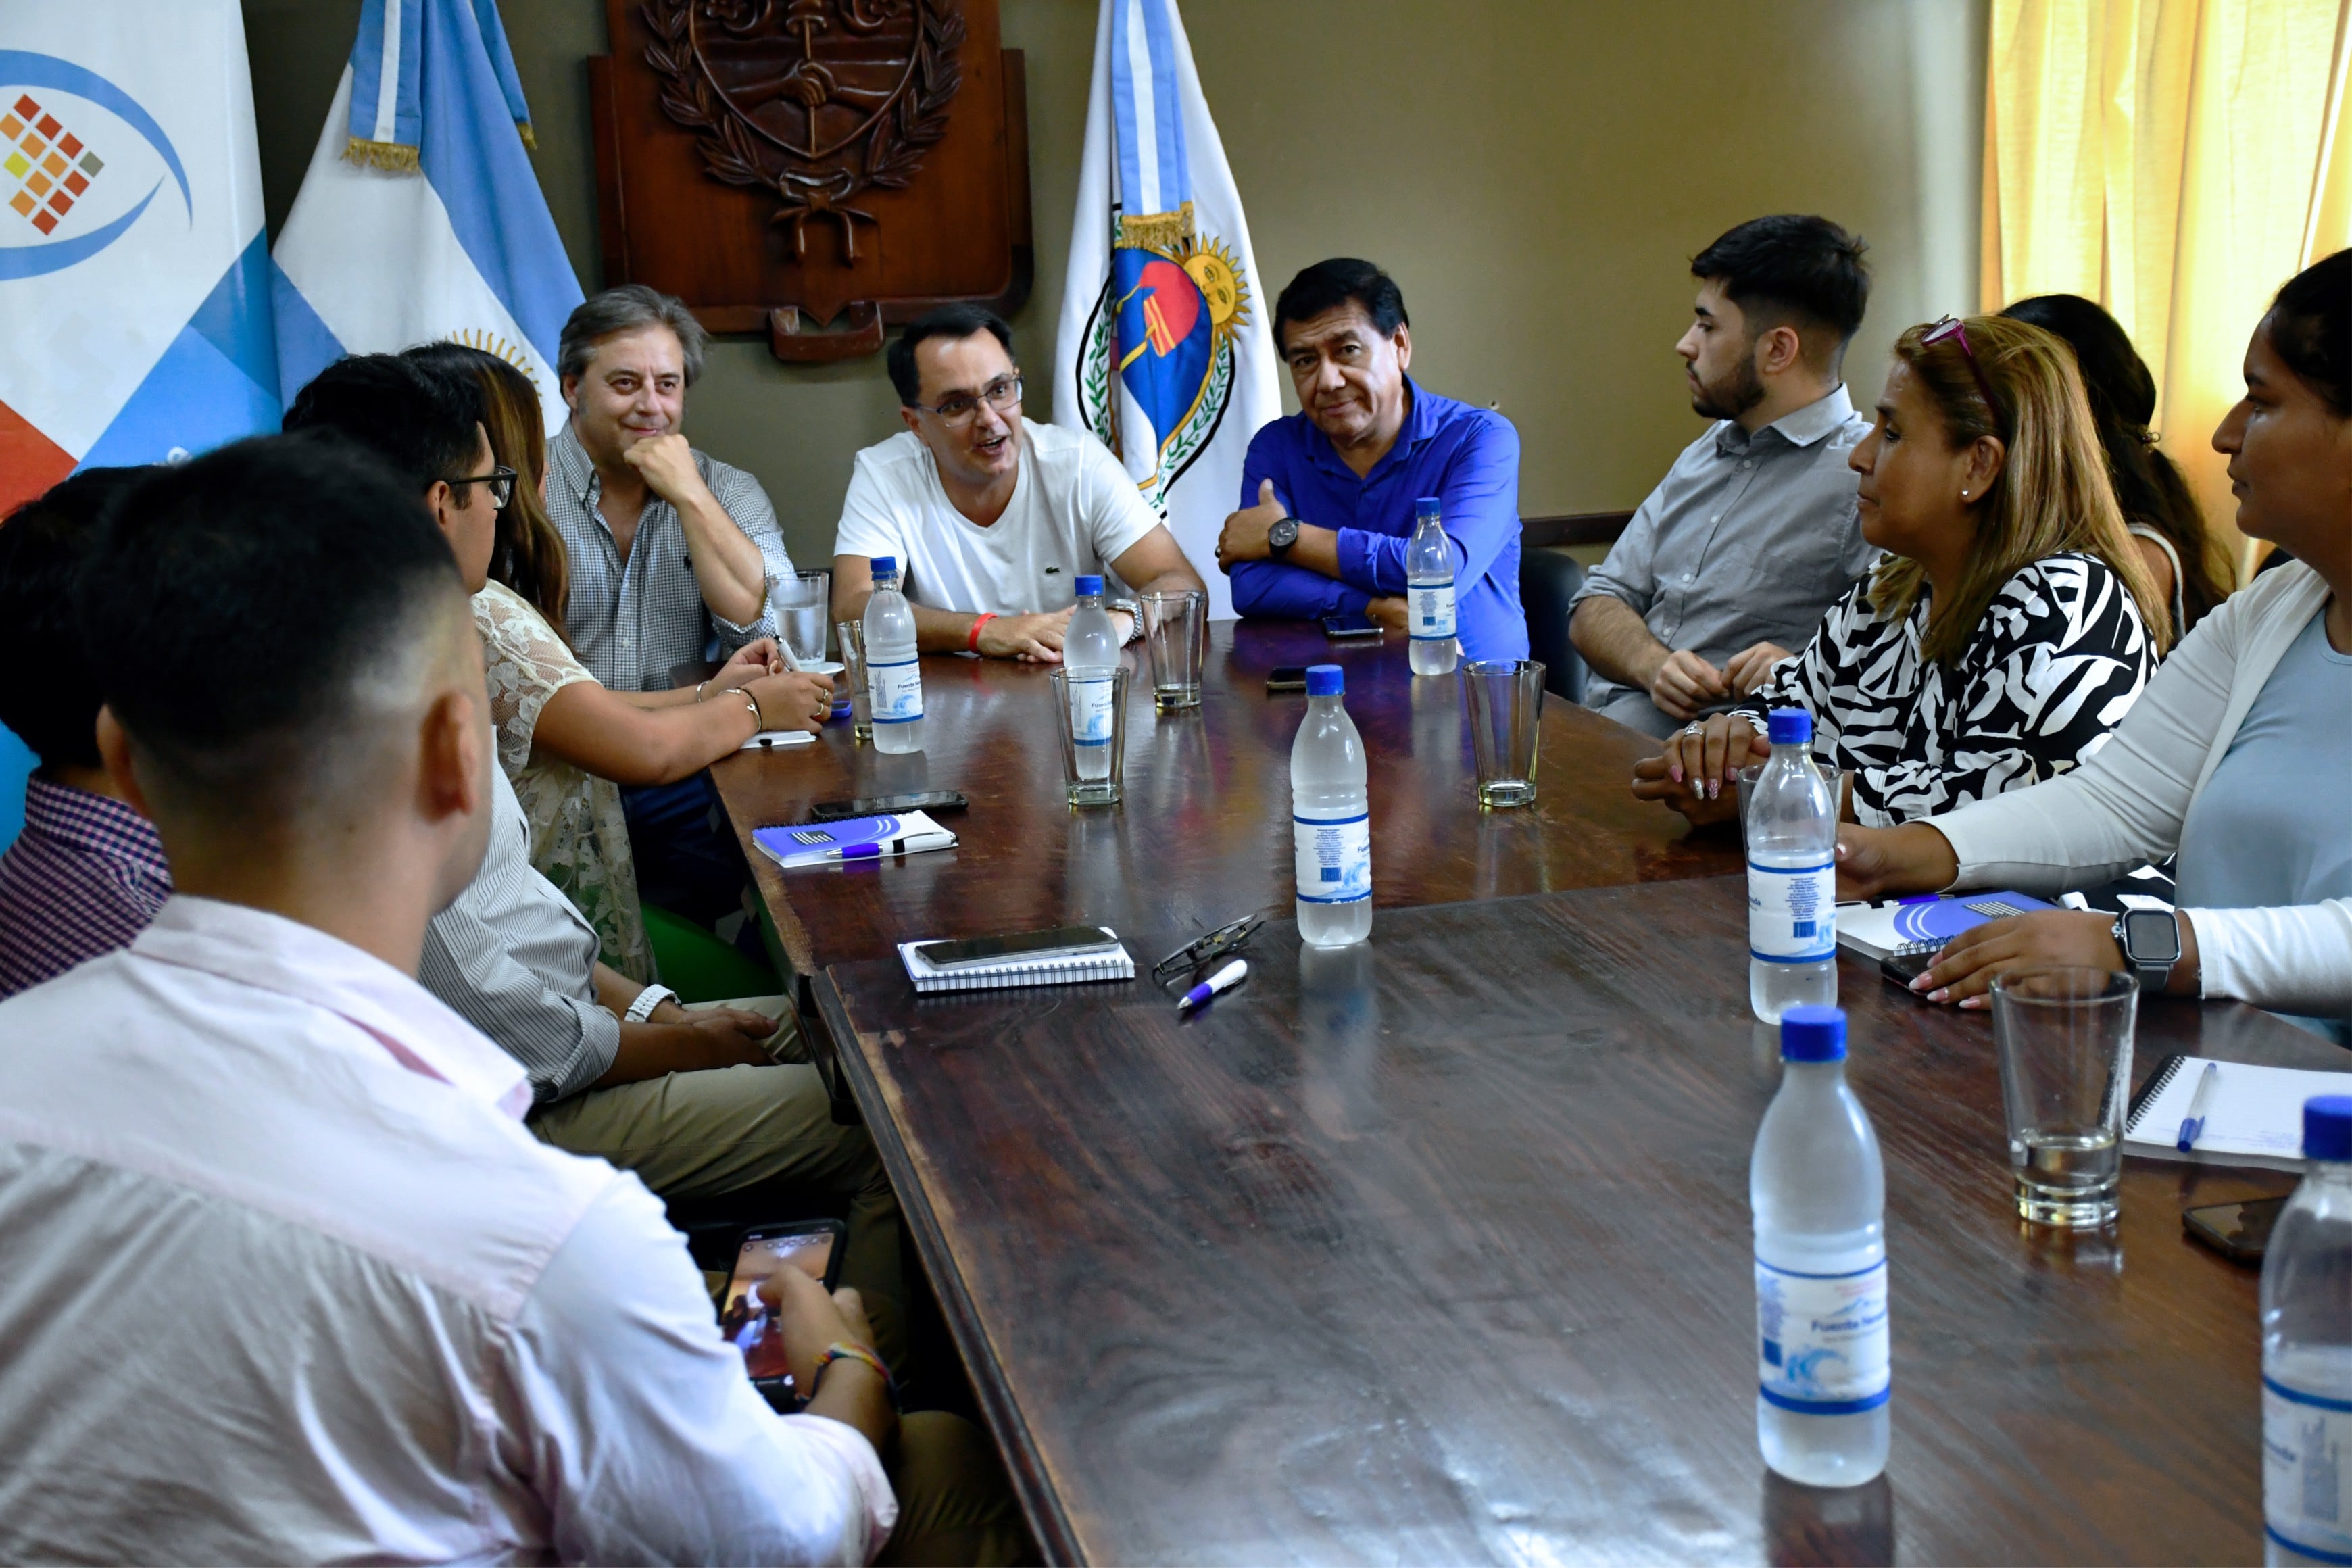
[(855, 838), (1926, 922)]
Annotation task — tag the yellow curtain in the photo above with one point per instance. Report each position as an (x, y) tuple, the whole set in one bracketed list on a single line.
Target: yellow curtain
[(2175, 160)]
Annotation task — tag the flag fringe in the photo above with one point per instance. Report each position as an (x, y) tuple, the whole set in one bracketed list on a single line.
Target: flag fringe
[(390, 156), (527, 139)]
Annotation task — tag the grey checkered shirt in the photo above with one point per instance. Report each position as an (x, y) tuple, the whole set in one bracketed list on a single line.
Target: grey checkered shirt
[(632, 625)]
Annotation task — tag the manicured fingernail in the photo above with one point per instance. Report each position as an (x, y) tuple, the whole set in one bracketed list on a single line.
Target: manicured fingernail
[(1713, 788), (1974, 1002), (1918, 982), (1942, 994), (1674, 773)]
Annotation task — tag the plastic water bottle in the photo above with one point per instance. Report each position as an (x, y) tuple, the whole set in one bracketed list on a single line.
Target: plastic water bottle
[(1330, 818), (2307, 1350), (894, 671), (1090, 655), (1819, 1192), (1791, 875), (1429, 591)]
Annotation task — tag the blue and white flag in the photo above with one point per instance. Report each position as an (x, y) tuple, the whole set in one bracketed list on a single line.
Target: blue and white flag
[(420, 216), (1163, 350), (134, 300)]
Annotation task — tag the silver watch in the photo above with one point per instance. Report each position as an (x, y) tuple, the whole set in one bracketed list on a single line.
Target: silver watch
[(651, 997), (2151, 942), (1134, 609)]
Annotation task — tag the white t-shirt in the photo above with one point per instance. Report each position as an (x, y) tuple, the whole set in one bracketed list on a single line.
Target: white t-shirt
[(1074, 511)]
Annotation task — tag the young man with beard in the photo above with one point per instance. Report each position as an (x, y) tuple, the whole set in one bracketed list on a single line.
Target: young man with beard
[(1753, 532)]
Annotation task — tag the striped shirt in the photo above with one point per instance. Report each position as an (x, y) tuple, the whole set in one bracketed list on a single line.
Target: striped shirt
[(633, 623), (83, 879)]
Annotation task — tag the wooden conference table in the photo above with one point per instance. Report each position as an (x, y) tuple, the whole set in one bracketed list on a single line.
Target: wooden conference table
[(1437, 1248)]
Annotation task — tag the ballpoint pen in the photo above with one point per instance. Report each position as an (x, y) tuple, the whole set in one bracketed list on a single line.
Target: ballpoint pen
[(2194, 1122), (1225, 979)]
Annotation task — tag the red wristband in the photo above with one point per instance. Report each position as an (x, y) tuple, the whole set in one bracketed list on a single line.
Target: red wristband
[(972, 642)]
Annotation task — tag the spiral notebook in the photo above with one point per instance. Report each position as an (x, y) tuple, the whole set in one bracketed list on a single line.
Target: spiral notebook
[(1067, 971), (2255, 1117)]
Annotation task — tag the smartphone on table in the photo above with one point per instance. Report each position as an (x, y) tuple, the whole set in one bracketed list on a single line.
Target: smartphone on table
[(1351, 628), (886, 804), (2240, 1232), (1285, 677), (1061, 942), (812, 1246)]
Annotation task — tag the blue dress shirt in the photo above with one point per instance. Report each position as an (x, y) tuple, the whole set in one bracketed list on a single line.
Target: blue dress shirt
[(1468, 457)]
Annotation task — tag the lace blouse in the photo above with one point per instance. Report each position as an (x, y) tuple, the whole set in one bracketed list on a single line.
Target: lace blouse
[(579, 838)]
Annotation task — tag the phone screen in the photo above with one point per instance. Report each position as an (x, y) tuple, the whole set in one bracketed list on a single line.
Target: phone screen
[(748, 1321), (2241, 1230), (877, 805), (1356, 625), (980, 949), (1286, 677)]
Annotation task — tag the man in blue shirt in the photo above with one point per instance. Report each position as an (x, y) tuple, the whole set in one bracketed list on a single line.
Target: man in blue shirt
[(1328, 493)]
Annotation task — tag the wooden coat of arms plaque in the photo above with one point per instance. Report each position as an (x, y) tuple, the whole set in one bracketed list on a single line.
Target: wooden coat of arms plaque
[(779, 164)]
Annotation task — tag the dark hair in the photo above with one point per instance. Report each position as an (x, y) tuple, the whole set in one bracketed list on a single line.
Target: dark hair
[(2149, 485), (2310, 327), (1341, 281), (625, 307), (530, 555), (47, 694), (421, 426), (1795, 265), (954, 322), (249, 598)]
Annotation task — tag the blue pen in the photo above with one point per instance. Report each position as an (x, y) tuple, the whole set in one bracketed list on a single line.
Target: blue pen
[(2194, 1122), (1225, 979), (868, 851)]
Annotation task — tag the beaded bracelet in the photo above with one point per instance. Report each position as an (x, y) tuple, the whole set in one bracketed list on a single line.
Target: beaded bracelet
[(972, 642), (843, 1350)]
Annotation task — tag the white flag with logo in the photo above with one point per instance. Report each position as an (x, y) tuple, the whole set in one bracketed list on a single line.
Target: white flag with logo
[(1163, 350)]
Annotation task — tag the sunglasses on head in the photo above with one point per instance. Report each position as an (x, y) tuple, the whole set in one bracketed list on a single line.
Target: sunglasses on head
[(1950, 330)]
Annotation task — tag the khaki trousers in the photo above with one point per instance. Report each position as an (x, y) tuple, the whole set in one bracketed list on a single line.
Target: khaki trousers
[(706, 1134), (955, 1505)]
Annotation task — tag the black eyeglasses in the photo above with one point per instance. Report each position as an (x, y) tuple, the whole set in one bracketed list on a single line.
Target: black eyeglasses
[(1000, 394), (1952, 331), (1206, 950), (501, 482)]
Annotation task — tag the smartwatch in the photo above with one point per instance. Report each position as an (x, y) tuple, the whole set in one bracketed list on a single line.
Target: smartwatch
[(1281, 537), (2151, 942), (651, 997)]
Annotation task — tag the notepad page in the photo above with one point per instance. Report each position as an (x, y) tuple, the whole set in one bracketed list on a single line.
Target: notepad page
[(1068, 968), (2255, 1110)]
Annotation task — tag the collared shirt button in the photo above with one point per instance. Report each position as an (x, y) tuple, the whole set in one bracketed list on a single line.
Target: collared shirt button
[(1746, 464), (1716, 517), (1687, 576)]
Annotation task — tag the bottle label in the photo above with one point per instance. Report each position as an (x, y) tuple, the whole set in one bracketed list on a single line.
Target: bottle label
[(2307, 1492), (1792, 912), (1091, 710), (1335, 859), (1433, 611), (1820, 1340), (898, 691)]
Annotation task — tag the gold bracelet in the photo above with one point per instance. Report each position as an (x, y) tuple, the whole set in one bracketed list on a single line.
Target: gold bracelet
[(700, 684)]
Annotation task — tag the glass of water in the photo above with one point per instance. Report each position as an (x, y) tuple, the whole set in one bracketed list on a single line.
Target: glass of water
[(850, 637), (1176, 637), (804, 607), (1506, 727), (1093, 725), (2065, 1042)]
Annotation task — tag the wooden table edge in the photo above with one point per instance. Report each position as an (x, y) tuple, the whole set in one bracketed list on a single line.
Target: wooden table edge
[(1025, 1463)]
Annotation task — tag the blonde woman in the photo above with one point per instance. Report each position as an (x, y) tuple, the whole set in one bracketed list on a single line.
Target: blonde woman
[(2010, 623), (566, 741)]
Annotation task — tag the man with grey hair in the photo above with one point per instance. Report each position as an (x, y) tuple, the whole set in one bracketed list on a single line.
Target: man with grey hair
[(671, 554)]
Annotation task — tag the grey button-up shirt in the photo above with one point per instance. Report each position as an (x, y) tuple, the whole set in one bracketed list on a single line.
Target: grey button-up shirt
[(1747, 539), (633, 625)]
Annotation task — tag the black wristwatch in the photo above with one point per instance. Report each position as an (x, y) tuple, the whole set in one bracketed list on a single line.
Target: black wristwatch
[(1281, 537), (2151, 942)]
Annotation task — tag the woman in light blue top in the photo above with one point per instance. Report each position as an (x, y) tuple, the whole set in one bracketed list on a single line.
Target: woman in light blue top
[(2238, 754)]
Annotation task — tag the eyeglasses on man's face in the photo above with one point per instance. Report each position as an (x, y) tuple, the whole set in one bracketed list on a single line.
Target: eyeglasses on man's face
[(500, 480), (1001, 394)]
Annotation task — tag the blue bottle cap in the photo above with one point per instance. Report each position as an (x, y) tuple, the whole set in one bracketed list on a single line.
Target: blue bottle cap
[(1812, 1033), (1428, 504), (2327, 1126), (1090, 585), (1326, 680), (883, 565), (1791, 727)]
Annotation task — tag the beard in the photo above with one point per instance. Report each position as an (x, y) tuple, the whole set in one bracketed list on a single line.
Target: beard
[(1732, 396)]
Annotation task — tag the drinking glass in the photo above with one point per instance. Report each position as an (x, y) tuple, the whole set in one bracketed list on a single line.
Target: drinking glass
[(1505, 725), (1748, 777), (1088, 780), (1176, 635), (803, 605), (850, 637), (2065, 1042)]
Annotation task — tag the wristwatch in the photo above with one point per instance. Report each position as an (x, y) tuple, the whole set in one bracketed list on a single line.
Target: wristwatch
[(1133, 608), (2151, 942), (1281, 537), (651, 997)]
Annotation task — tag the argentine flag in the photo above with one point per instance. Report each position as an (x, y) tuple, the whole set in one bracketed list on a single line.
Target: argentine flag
[(420, 216), (1163, 350), (134, 304)]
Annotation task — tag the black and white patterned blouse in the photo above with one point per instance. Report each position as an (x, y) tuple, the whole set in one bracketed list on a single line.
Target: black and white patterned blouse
[(2059, 655)]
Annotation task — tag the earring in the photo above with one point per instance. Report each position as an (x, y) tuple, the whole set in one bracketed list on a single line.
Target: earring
[(1964, 495)]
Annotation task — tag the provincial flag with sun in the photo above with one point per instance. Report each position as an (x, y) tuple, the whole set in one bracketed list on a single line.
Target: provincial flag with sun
[(1163, 352)]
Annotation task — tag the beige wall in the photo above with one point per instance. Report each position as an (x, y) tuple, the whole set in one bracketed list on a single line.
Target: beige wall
[(1534, 172)]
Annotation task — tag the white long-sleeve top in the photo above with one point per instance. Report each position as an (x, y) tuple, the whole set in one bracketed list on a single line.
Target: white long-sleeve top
[(2125, 803), (283, 1277)]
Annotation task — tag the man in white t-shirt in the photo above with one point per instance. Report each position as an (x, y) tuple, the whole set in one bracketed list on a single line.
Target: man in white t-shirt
[(992, 520)]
